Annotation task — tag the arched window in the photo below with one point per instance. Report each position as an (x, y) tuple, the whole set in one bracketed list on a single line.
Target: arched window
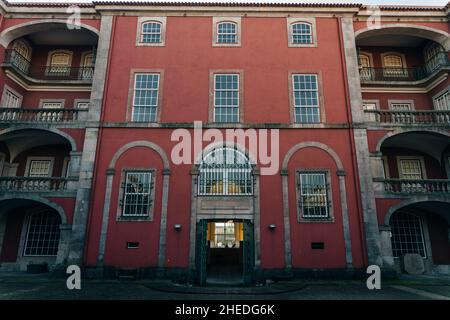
[(21, 55), (302, 33), (394, 66), (87, 66), (365, 65), (151, 32), (407, 234), (43, 234), (225, 172), (59, 62), (226, 32)]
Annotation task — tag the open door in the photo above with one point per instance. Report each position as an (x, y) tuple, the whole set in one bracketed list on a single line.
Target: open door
[(248, 252), (201, 248)]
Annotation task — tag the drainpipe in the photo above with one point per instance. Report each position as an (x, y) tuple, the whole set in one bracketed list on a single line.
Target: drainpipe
[(352, 145), (99, 139)]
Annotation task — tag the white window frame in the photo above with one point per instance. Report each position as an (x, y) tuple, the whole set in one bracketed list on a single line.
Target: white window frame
[(31, 159), (294, 105), (140, 23), (65, 173), (308, 20), (77, 102), (8, 90), (218, 20), (393, 103), (121, 215), (375, 103), (238, 107), (421, 161), (328, 195), (156, 106), (44, 102), (437, 105), (56, 69)]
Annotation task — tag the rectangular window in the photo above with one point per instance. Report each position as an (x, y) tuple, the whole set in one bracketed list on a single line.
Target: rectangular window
[(52, 105), (137, 193), (226, 97), (43, 235), (82, 105), (145, 99), (306, 98), (442, 102), (39, 168), (401, 106), (313, 195), (151, 32), (369, 106), (411, 169), (11, 100)]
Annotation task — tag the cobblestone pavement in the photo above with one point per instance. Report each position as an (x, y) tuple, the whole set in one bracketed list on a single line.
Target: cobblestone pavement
[(42, 288)]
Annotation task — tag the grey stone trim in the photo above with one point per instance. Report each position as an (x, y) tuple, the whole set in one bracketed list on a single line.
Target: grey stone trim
[(193, 220), (368, 203), (22, 29), (286, 222), (345, 222), (147, 144), (436, 35), (109, 183), (90, 144), (311, 144), (69, 138)]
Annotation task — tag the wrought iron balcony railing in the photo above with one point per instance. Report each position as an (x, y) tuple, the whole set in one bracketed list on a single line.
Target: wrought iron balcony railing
[(441, 60), (402, 186), (34, 184), (40, 115), (24, 66), (410, 116)]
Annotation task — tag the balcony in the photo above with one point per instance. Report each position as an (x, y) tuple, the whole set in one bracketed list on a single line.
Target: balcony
[(48, 116), (420, 73), (33, 184), (409, 117), (46, 74), (410, 187)]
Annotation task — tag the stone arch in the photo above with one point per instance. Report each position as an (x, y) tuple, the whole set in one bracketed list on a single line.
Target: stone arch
[(312, 144), (441, 37), (413, 200), (230, 144), (39, 199), (68, 137), (19, 30), (146, 144), (402, 131)]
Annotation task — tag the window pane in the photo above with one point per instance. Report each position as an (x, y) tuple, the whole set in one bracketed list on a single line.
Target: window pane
[(306, 98), (43, 235), (151, 32), (226, 32), (301, 33), (39, 168), (226, 98), (313, 195), (137, 192), (145, 100), (225, 171), (407, 235)]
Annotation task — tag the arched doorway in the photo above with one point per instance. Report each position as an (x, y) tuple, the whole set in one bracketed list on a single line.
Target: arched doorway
[(421, 228), (33, 236), (225, 217)]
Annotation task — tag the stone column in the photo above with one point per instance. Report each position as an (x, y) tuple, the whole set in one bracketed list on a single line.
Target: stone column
[(75, 163), (345, 220), (386, 246), (105, 218), (163, 231), (64, 241), (194, 177), (257, 218), (287, 224), (81, 211), (361, 145)]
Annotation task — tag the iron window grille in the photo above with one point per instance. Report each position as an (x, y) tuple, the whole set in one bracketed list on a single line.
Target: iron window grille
[(43, 235), (225, 172), (137, 191), (407, 235), (314, 195)]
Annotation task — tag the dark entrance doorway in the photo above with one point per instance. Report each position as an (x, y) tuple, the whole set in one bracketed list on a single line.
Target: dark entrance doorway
[(225, 254)]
